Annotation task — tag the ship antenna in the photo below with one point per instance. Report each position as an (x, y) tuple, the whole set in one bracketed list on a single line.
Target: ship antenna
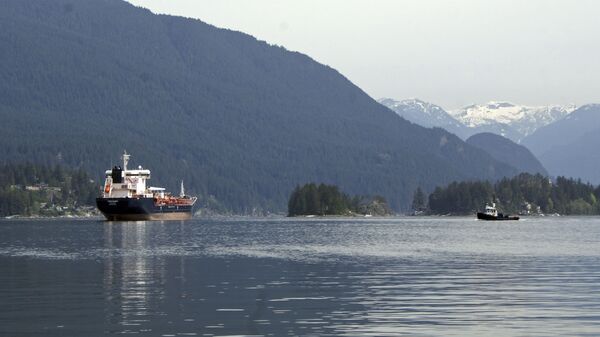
[(182, 192)]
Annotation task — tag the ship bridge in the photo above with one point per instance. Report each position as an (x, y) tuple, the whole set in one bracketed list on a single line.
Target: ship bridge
[(123, 183)]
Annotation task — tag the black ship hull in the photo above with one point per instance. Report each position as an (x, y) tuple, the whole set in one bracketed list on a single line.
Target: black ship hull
[(134, 209), (499, 217)]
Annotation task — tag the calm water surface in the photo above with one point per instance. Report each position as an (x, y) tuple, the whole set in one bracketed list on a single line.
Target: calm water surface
[(307, 277)]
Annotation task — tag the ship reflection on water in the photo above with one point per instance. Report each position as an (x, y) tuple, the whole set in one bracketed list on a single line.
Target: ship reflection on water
[(167, 278), (132, 278)]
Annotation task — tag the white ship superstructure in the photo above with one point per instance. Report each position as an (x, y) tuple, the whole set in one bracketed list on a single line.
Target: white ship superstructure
[(124, 183)]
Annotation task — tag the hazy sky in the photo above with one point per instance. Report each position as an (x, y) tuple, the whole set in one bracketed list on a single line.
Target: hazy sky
[(451, 53)]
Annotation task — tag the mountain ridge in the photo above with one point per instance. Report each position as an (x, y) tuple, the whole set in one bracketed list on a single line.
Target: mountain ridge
[(569, 146), (507, 151), (512, 121)]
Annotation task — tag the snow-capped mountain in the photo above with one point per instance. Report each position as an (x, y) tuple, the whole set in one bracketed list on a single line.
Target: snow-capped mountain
[(512, 121), (425, 114), (516, 121)]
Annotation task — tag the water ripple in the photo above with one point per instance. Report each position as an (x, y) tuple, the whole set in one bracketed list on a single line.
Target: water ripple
[(261, 277)]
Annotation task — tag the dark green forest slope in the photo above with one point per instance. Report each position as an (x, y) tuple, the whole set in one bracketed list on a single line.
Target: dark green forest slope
[(236, 118)]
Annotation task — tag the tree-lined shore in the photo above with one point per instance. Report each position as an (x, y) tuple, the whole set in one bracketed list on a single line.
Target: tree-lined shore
[(40, 190), (523, 194)]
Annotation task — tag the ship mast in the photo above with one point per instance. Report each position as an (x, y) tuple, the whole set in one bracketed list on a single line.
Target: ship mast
[(125, 160), (182, 192)]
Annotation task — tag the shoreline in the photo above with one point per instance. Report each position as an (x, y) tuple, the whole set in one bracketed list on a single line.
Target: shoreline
[(283, 216)]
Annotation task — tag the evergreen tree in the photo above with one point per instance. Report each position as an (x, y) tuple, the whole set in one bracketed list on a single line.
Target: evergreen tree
[(418, 203)]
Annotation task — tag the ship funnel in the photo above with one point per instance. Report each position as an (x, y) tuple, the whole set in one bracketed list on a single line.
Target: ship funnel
[(182, 192)]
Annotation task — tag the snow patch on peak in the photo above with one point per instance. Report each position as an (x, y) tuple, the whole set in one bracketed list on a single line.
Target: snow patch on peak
[(415, 105)]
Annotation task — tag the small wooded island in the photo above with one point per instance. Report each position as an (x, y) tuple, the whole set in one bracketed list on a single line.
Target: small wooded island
[(327, 200)]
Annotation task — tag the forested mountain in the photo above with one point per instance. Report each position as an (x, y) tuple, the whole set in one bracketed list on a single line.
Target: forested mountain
[(241, 121), (570, 146), (509, 152)]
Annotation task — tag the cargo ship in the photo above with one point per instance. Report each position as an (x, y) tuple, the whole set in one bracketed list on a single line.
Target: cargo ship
[(125, 196)]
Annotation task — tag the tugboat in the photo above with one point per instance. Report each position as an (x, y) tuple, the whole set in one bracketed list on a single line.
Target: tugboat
[(126, 197), (491, 213)]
